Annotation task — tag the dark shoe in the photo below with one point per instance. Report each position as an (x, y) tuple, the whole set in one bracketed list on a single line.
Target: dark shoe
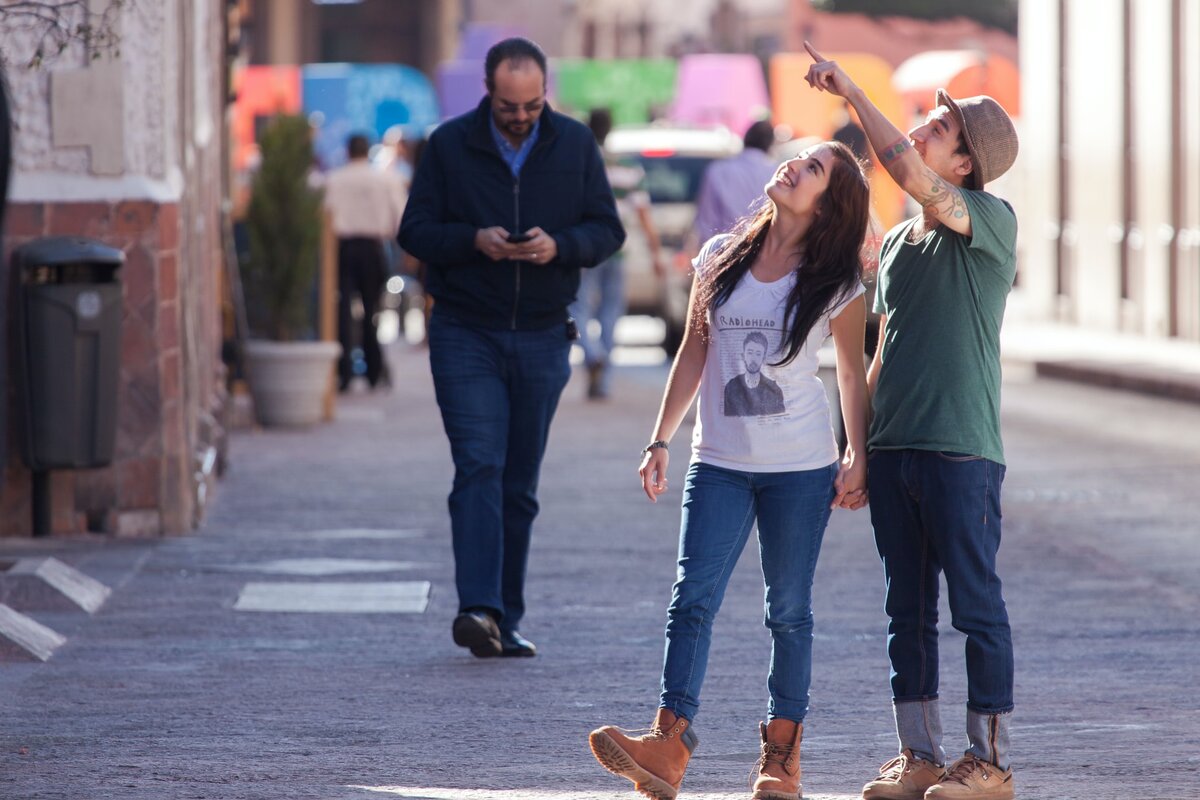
[(596, 390), (514, 645), (478, 632)]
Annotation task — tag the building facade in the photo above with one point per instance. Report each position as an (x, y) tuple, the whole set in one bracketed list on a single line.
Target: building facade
[(1110, 166), (420, 33), (127, 149)]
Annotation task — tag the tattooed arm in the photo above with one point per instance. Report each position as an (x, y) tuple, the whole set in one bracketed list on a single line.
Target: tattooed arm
[(941, 199)]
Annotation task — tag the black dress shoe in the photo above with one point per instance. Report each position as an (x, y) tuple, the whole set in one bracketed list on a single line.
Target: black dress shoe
[(478, 632), (514, 645)]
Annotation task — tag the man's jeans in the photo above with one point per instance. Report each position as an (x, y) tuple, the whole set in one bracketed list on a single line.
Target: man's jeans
[(935, 512), (497, 391), (719, 509), (602, 297)]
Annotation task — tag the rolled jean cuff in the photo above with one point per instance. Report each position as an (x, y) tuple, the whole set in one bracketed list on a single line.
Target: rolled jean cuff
[(680, 711), (919, 729), (988, 737), (985, 711)]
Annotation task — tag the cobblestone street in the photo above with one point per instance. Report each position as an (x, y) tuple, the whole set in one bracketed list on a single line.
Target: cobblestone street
[(185, 686)]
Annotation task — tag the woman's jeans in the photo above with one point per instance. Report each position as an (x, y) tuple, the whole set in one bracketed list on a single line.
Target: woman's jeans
[(497, 391), (720, 507), (940, 512)]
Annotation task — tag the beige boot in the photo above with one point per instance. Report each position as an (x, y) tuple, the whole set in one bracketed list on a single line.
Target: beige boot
[(972, 778), (905, 777), (654, 761), (778, 767)]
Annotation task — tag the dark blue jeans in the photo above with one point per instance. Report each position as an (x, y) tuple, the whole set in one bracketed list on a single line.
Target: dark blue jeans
[(720, 507), (940, 512), (497, 391)]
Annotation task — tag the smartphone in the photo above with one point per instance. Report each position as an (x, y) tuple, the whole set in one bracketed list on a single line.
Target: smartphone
[(517, 238)]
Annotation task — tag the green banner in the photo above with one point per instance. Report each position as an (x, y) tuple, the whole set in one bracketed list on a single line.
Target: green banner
[(631, 88)]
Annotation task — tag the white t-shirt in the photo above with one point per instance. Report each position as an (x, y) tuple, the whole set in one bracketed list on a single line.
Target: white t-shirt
[(753, 416)]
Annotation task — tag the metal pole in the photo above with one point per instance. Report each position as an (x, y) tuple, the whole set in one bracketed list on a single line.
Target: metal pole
[(41, 503)]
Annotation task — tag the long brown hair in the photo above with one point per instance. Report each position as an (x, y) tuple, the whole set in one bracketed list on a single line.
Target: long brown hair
[(829, 269)]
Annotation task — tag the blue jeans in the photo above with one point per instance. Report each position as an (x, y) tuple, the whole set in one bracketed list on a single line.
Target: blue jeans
[(601, 297), (719, 509), (940, 512), (497, 391)]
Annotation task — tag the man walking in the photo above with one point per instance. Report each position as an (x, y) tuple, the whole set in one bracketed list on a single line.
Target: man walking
[(508, 203), (365, 205), (936, 460)]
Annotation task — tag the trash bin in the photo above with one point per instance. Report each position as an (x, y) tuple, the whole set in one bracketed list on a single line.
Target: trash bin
[(68, 313)]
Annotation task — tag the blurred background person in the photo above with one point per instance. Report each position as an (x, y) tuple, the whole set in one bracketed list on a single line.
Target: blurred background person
[(733, 187), (365, 205), (602, 289)]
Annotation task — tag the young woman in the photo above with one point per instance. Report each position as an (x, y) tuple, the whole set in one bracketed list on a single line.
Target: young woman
[(764, 300)]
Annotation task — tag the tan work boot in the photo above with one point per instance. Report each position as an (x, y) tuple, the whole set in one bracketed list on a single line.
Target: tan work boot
[(905, 777), (972, 778), (654, 761), (778, 767)]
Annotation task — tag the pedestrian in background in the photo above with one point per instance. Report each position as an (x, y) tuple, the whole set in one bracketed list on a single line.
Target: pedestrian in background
[(602, 289), (365, 205), (508, 202), (936, 458), (733, 187), (784, 280)]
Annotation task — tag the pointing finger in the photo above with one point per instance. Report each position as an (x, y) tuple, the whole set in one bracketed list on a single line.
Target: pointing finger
[(812, 51)]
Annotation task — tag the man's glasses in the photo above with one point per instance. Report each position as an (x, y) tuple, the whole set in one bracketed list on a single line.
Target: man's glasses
[(530, 108)]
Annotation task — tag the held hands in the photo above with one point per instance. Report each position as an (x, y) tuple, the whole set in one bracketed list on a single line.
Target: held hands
[(850, 485), (827, 76), (654, 472), (493, 242)]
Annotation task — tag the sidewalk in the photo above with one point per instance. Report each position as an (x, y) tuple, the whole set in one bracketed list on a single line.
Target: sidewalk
[(175, 689), (1166, 368)]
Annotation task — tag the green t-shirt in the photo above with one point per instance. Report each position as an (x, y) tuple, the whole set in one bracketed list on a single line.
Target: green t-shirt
[(944, 296)]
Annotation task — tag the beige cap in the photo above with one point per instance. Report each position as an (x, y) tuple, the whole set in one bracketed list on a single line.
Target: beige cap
[(989, 133)]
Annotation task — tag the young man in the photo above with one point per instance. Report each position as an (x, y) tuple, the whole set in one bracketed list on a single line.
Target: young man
[(936, 460), (508, 203)]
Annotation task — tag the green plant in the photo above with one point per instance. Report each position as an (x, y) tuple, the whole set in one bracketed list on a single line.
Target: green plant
[(284, 225)]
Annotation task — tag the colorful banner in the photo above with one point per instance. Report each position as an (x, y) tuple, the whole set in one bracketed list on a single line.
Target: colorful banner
[(343, 99), (721, 89), (634, 90)]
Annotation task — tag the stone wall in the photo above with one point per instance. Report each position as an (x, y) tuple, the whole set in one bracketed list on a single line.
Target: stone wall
[(160, 205)]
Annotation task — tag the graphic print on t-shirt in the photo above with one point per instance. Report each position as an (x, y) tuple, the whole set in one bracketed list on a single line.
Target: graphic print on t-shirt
[(747, 347)]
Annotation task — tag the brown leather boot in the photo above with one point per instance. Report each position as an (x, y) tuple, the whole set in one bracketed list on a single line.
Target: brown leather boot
[(778, 767), (654, 761)]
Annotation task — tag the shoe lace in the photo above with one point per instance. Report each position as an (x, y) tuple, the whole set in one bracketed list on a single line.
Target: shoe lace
[(771, 752), (894, 770), (774, 751), (964, 769)]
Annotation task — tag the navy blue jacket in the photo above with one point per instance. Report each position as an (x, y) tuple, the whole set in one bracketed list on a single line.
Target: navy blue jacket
[(463, 184)]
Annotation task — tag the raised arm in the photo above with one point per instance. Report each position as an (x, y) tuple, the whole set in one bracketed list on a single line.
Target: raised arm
[(939, 198)]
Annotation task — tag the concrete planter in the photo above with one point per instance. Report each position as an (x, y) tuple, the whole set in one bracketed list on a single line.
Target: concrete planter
[(289, 379)]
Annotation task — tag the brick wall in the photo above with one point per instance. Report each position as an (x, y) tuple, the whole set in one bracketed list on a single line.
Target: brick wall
[(150, 488)]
